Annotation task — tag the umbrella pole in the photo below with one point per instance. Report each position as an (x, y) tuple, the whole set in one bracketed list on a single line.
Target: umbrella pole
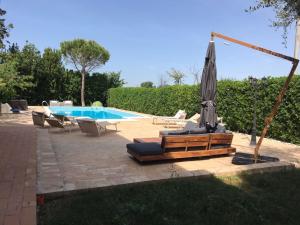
[(281, 94)]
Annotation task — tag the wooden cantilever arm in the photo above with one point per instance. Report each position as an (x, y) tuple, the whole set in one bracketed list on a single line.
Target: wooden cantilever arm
[(281, 94)]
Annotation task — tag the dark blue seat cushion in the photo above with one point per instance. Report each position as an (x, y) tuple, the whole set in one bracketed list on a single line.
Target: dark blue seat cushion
[(145, 148), (178, 132), (199, 130), (217, 146), (15, 110)]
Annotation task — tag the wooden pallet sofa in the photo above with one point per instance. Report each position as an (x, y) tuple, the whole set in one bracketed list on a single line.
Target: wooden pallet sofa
[(181, 146)]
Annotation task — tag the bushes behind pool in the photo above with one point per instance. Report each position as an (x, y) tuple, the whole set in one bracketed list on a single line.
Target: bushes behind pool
[(234, 104)]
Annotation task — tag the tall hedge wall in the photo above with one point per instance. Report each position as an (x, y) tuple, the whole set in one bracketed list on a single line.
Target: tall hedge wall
[(234, 104)]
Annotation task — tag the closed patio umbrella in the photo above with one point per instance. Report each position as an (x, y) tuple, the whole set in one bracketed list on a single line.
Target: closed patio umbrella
[(208, 89)]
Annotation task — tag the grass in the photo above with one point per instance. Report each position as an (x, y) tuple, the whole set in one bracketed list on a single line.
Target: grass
[(270, 198)]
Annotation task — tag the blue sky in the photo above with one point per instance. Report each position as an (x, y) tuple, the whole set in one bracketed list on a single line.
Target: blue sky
[(147, 38)]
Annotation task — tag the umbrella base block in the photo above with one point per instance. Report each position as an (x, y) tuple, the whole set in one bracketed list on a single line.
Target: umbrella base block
[(241, 158)]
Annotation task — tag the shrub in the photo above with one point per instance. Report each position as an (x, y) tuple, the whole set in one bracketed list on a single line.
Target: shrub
[(234, 104), (97, 104)]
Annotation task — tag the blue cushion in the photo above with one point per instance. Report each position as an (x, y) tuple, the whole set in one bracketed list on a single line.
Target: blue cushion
[(145, 148), (15, 110), (200, 130), (178, 132), (217, 146), (220, 129)]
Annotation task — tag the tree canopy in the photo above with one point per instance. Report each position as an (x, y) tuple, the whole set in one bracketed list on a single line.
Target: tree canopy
[(4, 28), (287, 12), (147, 84), (35, 75), (11, 82), (85, 56), (176, 75)]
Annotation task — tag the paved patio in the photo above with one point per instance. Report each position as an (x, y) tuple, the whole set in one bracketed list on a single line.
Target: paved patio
[(17, 173), (74, 161)]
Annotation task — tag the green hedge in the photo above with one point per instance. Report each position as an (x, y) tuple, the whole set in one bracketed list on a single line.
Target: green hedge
[(234, 102)]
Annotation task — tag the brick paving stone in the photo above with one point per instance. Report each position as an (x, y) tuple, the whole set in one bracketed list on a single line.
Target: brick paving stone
[(1, 218), (28, 216), (17, 174), (11, 220), (3, 203), (5, 189)]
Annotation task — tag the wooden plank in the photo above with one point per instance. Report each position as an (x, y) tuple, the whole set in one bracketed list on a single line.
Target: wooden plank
[(274, 110), (185, 144), (221, 135), (221, 138), (185, 138), (182, 154), (248, 45)]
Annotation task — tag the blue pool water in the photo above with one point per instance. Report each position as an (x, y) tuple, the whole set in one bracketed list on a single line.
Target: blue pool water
[(92, 112)]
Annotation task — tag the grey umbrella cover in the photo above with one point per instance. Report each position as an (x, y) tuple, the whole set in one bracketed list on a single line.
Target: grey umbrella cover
[(208, 88)]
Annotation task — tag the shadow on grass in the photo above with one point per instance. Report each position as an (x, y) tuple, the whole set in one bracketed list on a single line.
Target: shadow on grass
[(270, 198)]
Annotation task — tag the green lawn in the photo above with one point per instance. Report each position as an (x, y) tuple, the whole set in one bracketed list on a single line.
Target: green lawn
[(271, 198)]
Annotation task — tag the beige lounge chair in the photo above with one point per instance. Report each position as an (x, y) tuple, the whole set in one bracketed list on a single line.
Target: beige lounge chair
[(5, 108), (65, 119), (104, 124), (181, 114), (38, 118), (55, 123), (181, 122), (94, 127)]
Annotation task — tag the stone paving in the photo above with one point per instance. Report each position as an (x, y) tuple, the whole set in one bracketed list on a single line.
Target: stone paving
[(74, 161), (17, 172)]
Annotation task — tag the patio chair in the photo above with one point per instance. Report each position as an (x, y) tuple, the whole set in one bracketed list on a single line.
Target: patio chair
[(93, 127), (171, 122), (38, 118), (47, 111), (181, 114), (65, 119), (55, 123), (104, 124), (181, 147), (5, 108)]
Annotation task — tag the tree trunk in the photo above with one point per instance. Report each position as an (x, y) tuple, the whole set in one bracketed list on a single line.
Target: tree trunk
[(297, 40), (82, 87)]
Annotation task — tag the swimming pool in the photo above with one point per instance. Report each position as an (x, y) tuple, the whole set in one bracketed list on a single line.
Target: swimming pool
[(93, 112)]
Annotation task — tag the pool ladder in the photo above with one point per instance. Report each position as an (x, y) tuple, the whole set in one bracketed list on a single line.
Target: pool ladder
[(44, 102)]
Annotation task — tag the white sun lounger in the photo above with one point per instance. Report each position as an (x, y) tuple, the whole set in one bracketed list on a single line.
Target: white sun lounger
[(54, 103), (171, 122), (67, 103), (181, 114), (5, 108), (94, 127)]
